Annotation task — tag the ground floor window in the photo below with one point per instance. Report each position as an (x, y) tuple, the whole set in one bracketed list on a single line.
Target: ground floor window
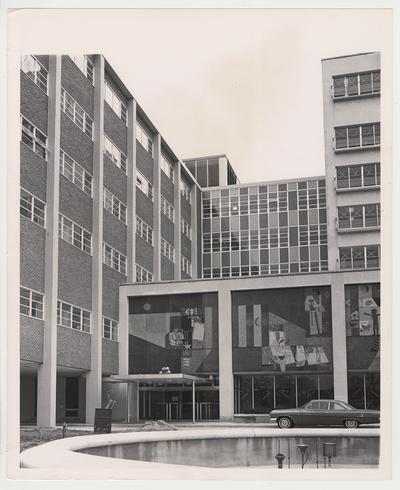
[(364, 390), (263, 393), (72, 397)]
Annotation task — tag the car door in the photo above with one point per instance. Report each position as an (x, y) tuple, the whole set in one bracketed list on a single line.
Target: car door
[(337, 413), (311, 414)]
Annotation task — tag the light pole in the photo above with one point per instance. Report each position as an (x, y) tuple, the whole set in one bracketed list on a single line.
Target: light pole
[(304, 454)]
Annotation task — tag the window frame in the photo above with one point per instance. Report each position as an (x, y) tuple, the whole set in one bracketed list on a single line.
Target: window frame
[(167, 166), (31, 302), (86, 183), (358, 135), (359, 93), (144, 231), (41, 220), (114, 206), (143, 273), (76, 113), (144, 185), (77, 234), (186, 191), (113, 326), (114, 154), (167, 208), (144, 138), (167, 250), (115, 102), (41, 81), (72, 310), (87, 68), (32, 135), (114, 259)]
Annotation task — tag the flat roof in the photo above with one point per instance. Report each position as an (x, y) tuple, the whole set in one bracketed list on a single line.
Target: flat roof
[(348, 56), (156, 378)]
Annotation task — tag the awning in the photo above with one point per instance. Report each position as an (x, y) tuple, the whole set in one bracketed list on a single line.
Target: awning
[(177, 378)]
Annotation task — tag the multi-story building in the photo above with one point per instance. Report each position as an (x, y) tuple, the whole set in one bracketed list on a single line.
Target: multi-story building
[(133, 261)]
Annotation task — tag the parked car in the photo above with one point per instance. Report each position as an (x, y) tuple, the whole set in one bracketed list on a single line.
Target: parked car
[(324, 412)]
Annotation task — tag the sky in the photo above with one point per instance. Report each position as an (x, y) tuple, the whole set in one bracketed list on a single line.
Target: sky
[(241, 82)]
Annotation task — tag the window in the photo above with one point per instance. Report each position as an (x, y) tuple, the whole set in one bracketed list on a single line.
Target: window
[(33, 137), (185, 191), (85, 65), (114, 154), (110, 329), (35, 71), (75, 173), (144, 230), (115, 102), (144, 139), (74, 234), (114, 206), (186, 266), (361, 136), (144, 185), (356, 176), (167, 250), (143, 275), (361, 216), (114, 259), (71, 316), (186, 229), (166, 167), (362, 257), (167, 208), (32, 208), (75, 112), (30, 303), (357, 84)]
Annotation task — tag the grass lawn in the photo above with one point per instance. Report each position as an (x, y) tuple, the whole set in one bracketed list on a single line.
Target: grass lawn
[(33, 437)]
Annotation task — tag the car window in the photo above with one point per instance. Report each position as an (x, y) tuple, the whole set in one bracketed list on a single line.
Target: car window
[(313, 406), (324, 405), (336, 406)]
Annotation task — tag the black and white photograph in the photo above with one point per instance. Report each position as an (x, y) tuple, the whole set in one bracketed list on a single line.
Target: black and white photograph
[(199, 243)]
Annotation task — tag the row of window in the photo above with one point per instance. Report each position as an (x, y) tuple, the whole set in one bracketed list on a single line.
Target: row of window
[(186, 229), (114, 206), (265, 269), (74, 234), (167, 250), (75, 112), (186, 266), (358, 136), (356, 84), (32, 67), (32, 208), (114, 154), (273, 220), (264, 203), (143, 275), (361, 216), (166, 167), (144, 231), (115, 102), (34, 138), (144, 185), (265, 189), (265, 238), (70, 316), (75, 173), (362, 257), (114, 259), (144, 139), (355, 176), (167, 208)]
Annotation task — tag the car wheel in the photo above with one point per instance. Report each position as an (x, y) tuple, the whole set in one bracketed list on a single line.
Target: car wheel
[(285, 423), (351, 423)]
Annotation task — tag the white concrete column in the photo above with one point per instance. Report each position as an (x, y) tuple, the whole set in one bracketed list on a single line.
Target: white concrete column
[(177, 224), (133, 403), (339, 338), (157, 208), (223, 171), (47, 371), (123, 334), (226, 390), (131, 213), (196, 233), (93, 378)]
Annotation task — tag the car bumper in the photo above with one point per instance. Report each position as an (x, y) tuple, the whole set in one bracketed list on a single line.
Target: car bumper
[(272, 419)]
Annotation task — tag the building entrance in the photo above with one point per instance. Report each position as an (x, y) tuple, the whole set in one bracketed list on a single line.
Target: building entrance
[(176, 403)]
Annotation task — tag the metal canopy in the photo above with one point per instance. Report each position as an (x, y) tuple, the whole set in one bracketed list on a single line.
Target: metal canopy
[(156, 378)]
